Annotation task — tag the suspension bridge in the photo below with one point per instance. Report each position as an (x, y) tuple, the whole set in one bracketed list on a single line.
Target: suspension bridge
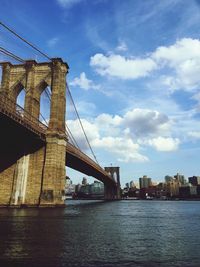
[(34, 153)]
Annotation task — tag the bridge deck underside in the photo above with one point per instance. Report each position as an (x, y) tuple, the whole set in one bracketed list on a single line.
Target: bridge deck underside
[(15, 141), (82, 166)]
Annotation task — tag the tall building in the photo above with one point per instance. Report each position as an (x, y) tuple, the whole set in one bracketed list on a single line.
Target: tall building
[(127, 185), (180, 178), (132, 185), (94, 190), (168, 178), (145, 182), (84, 181), (172, 188), (69, 187), (194, 180), (187, 190)]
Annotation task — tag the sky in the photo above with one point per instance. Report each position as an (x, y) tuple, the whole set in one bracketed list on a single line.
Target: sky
[(134, 76)]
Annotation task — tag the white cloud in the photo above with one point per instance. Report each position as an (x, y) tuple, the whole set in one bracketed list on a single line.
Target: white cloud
[(124, 148), (124, 136), (52, 42), (179, 63), (194, 134), (84, 83), (178, 53), (164, 143), (184, 59), (68, 3), (145, 122), (121, 67), (122, 47), (196, 97), (109, 125), (91, 131)]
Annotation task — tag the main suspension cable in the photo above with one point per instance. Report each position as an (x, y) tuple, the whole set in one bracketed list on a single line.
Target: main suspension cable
[(24, 40), (10, 54)]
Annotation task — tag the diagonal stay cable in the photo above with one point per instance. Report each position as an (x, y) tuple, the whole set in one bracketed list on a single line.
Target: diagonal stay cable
[(72, 137), (81, 124), (24, 40)]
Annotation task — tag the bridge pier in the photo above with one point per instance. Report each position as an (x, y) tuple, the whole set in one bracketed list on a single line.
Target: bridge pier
[(53, 185), (111, 192)]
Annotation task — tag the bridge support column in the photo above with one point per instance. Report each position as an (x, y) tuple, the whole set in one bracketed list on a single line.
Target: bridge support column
[(20, 182), (111, 193), (53, 184), (6, 175), (54, 169), (6, 184)]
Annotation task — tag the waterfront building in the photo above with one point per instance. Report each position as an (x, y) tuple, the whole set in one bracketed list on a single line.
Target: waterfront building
[(84, 181), (168, 178), (127, 185), (132, 185), (198, 190), (180, 178), (172, 188), (145, 182), (94, 190), (194, 180), (69, 187), (97, 188), (77, 188), (187, 191)]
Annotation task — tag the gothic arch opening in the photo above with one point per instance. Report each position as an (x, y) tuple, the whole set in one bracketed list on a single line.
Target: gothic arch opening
[(20, 98), (45, 105), (115, 176)]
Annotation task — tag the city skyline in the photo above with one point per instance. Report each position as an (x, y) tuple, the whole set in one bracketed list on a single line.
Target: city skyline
[(134, 76)]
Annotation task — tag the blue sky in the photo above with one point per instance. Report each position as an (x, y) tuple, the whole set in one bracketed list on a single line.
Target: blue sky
[(134, 75)]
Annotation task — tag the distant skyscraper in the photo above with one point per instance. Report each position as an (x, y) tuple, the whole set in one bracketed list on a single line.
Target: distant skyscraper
[(132, 185), (145, 182), (180, 178), (168, 178)]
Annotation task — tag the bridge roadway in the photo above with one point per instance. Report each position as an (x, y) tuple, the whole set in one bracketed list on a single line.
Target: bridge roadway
[(21, 133)]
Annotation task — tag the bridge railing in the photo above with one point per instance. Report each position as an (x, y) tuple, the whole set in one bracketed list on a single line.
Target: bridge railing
[(17, 113)]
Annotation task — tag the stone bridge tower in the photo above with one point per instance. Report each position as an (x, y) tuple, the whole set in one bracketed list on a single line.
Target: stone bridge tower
[(110, 191), (37, 178)]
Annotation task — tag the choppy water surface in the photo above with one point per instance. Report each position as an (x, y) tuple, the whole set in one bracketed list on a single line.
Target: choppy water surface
[(104, 234)]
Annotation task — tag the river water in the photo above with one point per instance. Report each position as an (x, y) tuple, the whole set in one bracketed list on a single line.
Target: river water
[(103, 234)]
